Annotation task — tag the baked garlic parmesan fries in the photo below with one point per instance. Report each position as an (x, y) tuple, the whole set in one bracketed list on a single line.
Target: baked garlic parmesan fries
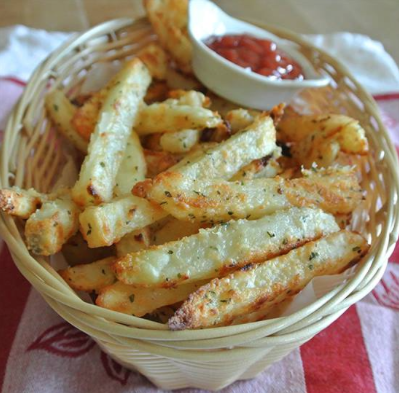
[(219, 216)]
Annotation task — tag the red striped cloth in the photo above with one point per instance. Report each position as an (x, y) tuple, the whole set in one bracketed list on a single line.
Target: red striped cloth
[(42, 353)]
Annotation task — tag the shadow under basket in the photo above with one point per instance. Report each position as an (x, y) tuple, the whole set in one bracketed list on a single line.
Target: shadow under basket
[(33, 154)]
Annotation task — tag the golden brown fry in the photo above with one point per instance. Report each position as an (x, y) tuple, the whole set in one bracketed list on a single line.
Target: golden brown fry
[(319, 139), (170, 116), (353, 160), (335, 190), (133, 167), (140, 301), (265, 167), (20, 203), (62, 112), (97, 176), (197, 151), (133, 242), (179, 142), (85, 118), (156, 60), (107, 223), (90, 276), (169, 21), (184, 140), (260, 287), (51, 226), (174, 230), (216, 251), (296, 128), (158, 161), (239, 119), (224, 159), (190, 98)]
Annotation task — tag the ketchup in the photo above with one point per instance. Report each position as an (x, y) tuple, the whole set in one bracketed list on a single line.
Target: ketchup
[(259, 55)]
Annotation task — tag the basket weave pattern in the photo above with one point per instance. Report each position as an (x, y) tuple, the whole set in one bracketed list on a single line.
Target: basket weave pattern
[(32, 155)]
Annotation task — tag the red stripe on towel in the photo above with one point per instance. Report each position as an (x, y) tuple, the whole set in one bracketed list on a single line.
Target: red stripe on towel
[(386, 97), (14, 80), (336, 360), (12, 305)]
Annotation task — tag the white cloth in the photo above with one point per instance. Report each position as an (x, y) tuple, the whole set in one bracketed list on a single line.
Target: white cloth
[(23, 48)]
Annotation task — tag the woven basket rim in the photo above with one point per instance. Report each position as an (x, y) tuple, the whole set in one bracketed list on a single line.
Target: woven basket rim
[(319, 312)]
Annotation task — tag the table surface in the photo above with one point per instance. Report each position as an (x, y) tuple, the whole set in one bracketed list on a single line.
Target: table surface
[(375, 18)]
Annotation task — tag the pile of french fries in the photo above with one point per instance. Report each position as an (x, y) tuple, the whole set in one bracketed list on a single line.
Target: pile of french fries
[(188, 215)]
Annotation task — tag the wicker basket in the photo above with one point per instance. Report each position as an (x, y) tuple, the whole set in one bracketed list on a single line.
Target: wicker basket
[(32, 155)]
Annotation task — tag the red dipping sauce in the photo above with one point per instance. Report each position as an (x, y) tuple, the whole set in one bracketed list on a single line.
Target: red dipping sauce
[(259, 55)]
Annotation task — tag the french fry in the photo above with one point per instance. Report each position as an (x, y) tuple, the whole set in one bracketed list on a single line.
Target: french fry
[(223, 160), (90, 276), (169, 116), (226, 158), (20, 203), (183, 141), (319, 139), (174, 230), (353, 160), (216, 251), (260, 287), (62, 112), (169, 21), (240, 119), (335, 190), (190, 98), (51, 226), (85, 118), (133, 167), (133, 242), (343, 220), (158, 161), (107, 223), (140, 301), (197, 151), (156, 60), (297, 128), (179, 142), (97, 176), (265, 167)]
